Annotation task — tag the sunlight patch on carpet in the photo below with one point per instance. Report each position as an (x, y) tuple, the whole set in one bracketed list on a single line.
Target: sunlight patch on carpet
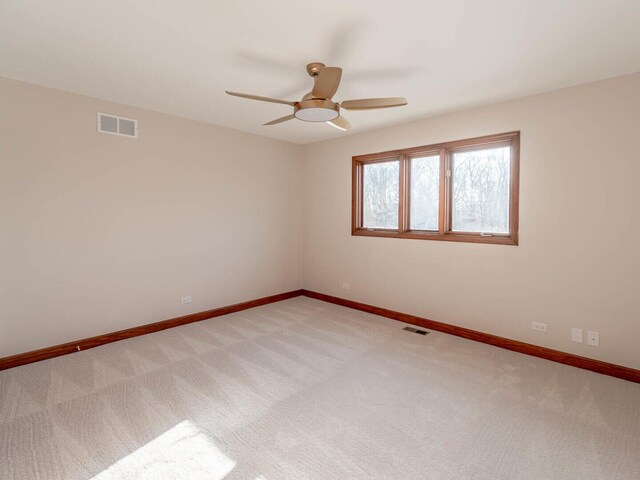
[(183, 452)]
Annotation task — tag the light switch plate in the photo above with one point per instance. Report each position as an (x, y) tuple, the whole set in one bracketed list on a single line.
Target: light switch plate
[(576, 335)]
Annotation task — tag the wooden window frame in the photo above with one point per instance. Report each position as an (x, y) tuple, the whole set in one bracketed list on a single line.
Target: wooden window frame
[(444, 151)]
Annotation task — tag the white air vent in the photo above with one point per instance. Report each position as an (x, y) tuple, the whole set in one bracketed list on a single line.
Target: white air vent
[(115, 125)]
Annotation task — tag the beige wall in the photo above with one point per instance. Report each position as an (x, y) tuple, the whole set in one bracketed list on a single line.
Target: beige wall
[(100, 233), (577, 263)]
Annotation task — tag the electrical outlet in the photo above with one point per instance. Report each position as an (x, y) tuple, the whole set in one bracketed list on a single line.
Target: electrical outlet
[(185, 300), (539, 327), (576, 335), (593, 338), (346, 286)]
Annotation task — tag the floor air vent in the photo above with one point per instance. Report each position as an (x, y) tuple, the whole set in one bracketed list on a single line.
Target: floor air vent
[(415, 330), (114, 125)]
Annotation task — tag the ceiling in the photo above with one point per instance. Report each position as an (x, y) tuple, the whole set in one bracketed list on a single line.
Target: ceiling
[(180, 57)]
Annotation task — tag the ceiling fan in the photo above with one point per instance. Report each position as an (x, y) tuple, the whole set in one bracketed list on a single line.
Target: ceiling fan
[(318, 106)]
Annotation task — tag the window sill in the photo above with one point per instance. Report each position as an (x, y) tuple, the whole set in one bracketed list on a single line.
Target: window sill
[(447, 237)]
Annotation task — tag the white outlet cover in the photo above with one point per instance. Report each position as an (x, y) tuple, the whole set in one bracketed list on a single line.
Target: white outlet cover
[(593, 338), (185, 300), (346, 286), (538, 326)]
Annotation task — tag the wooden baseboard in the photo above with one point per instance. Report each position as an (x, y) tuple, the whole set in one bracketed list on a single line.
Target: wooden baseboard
[(598, 366), (591, 364), (71, 347)]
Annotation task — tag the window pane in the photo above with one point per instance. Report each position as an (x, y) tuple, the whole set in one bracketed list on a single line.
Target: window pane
[(425, 193), (380, 184), (480, 190)]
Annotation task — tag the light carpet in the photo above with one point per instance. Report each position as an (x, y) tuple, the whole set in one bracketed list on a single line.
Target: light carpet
[(302, 389)]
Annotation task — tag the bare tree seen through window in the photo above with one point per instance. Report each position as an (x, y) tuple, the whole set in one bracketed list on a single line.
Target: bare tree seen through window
[(425, 193), (380, 195), (480, 188)]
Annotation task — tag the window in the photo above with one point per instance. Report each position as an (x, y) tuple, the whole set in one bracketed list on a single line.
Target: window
[(459, 191), (425, 192), (380, 195)]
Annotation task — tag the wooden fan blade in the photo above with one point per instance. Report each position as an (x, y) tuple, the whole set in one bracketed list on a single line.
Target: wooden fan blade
[(262, 99), (280, 120), (340, 123), (371, 103), (327, 83)]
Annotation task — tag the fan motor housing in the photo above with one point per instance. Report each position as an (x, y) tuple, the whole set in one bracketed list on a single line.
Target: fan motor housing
[(316, 110)]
